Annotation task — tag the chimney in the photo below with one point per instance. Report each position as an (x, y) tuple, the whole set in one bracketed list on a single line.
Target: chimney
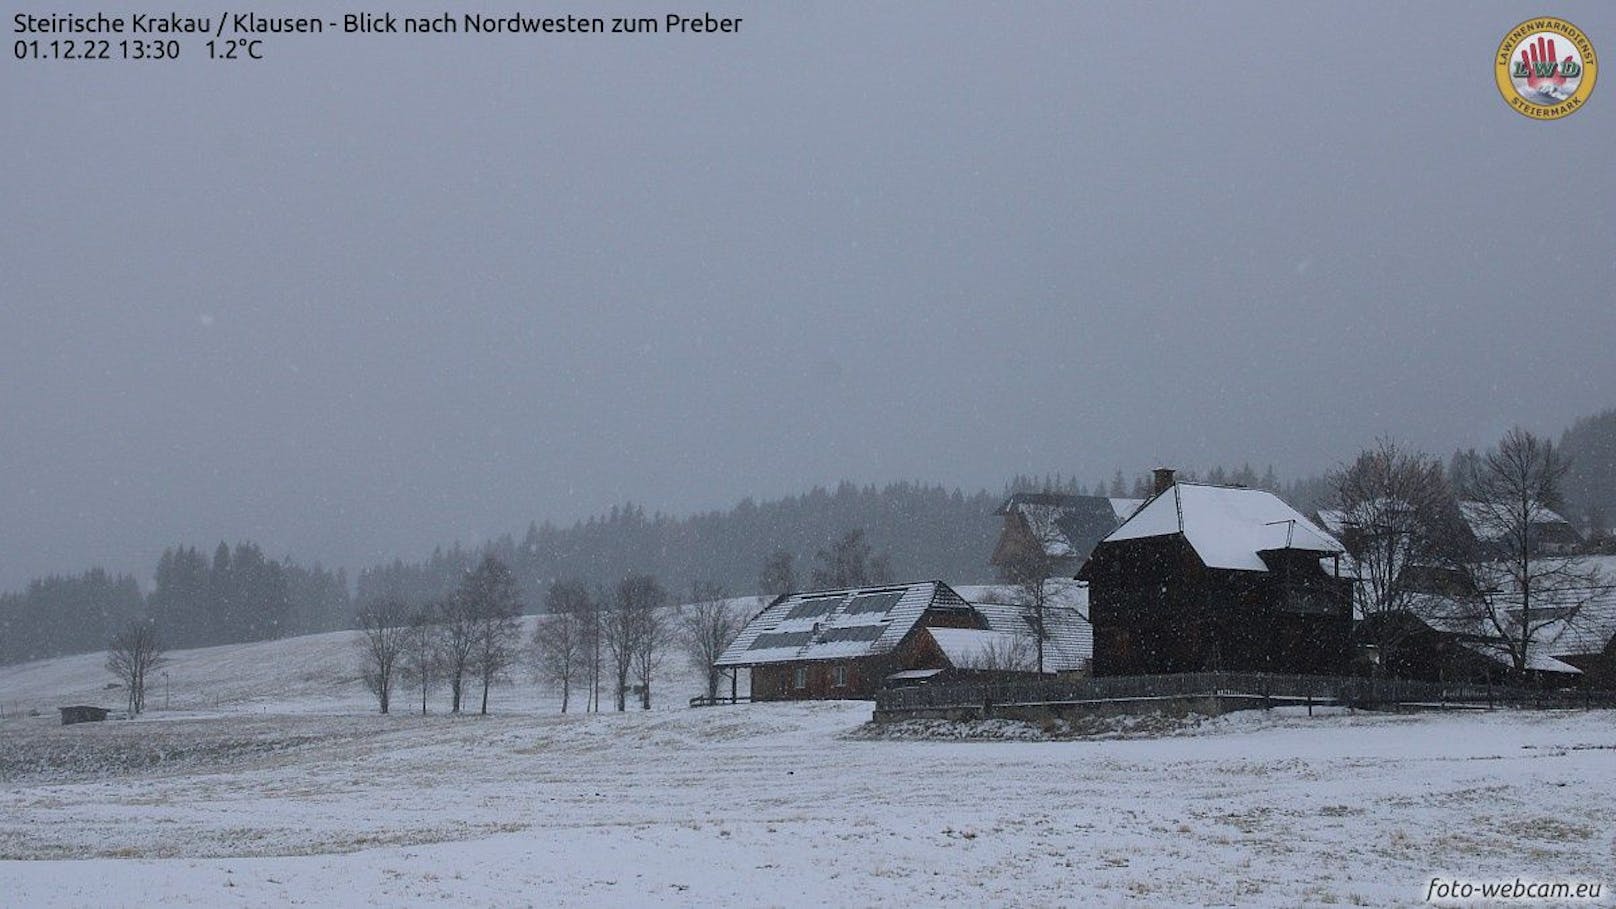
[(1164, 480)]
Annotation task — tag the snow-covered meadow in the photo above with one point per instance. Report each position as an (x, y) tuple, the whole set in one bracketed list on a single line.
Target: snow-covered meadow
[(268, 782)]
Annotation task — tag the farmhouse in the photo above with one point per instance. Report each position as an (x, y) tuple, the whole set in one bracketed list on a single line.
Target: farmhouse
[(1206, 577), (1058, 527), (1572, 639), (1486, 526), (848, 643)]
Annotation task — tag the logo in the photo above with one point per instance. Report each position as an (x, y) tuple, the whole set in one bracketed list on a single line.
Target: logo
[(1546, 68)]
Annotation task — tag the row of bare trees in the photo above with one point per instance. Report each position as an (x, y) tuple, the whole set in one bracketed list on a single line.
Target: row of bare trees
[(591, 639), (468, 642), (1420, 560)]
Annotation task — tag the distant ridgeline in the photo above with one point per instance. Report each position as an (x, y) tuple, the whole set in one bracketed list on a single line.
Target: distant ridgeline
[(925, 531)]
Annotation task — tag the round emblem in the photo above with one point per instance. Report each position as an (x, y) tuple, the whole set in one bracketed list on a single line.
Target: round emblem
[(1546, 68)]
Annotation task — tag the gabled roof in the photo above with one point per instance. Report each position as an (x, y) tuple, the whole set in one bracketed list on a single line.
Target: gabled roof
[(1588, 625), (1227, 526), (1070, 638), (1067, 526), (837, 624), (1489, 526)]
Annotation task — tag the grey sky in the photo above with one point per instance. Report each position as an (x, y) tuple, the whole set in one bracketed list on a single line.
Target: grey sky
[(373, 294)]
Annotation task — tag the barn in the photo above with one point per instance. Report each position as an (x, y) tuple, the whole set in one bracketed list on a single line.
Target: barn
[(1207, 578), (848, 643)]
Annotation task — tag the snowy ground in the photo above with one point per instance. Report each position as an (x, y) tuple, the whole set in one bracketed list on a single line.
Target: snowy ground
[(273, 787)]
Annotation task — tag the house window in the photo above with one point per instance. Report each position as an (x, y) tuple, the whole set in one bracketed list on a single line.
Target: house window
[(799, 678), (838, 676)]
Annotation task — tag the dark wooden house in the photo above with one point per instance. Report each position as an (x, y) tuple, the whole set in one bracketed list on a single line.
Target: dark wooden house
[(1061, 528), (1205, 578), (847, 643)]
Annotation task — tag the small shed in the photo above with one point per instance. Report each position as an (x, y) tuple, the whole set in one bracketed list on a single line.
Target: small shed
[(80, 713)]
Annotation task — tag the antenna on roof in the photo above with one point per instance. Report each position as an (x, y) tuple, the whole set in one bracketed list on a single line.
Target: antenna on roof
[(1290, 531)]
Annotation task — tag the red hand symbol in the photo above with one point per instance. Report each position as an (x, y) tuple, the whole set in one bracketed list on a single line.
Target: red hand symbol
[(1542, 52)]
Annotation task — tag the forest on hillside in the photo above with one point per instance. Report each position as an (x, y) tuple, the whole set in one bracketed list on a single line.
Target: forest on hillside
[(920, 530)]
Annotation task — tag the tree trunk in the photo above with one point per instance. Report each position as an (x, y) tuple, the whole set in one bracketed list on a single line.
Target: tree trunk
[(454, 694), (484, 710)]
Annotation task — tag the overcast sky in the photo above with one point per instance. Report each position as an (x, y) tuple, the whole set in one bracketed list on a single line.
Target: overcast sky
[(373, 294)]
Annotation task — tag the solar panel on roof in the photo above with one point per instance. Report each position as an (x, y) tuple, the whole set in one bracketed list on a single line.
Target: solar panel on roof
[(874, 602), (815, 606), (855, 633), (781, 639)]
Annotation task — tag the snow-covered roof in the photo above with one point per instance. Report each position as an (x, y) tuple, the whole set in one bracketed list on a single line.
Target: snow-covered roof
[(1590, 629), (837, 624), (1536, 659), (1124, 508), (1069, 644), (1586, 624), (1227, 526), (1043, 521), (1489, 525), (1067, 526), (909, 674), (1333, 520), (968, 648)]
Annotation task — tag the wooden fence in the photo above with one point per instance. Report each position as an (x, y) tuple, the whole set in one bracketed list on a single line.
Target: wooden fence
[(1273, 689)]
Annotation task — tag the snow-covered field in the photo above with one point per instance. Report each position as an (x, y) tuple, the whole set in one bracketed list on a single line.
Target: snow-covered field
[(269, 783)]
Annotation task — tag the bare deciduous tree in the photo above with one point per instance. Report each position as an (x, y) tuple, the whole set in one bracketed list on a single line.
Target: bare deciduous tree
[(634, 633), (1517, 587), (561, 644), (132, 655), (707, 627), (617, 638), (457, 642), (655, 633), (594, 625), (1396, 512), (384, 629), (421, 658), (1029, 571), (492, 599)]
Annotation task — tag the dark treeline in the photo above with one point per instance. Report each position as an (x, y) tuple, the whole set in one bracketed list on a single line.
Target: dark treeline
[(66, 614), (1306, 494), (233, 596), (239, 595), (926, 531)]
